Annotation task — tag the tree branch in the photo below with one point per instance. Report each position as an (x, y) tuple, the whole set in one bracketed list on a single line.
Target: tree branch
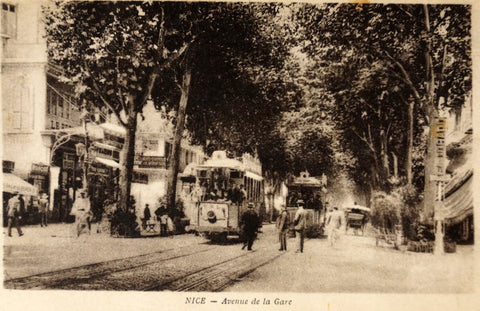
[(99, 93), (159, 68), (364, 139), (119, 93)]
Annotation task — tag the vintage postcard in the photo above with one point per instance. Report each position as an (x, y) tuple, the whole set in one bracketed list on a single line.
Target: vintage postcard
[(239, 155)]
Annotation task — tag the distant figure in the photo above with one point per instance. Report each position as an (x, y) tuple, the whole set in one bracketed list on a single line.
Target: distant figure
[(132, 205), (300, 223), (146, 216), (13, 214), (334, 223), (22, 210), (283, 221), (164, 224), (83, 214), (43, 209), (249, 223)]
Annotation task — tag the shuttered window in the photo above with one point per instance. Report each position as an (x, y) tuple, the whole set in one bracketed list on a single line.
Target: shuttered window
[(9, 21)]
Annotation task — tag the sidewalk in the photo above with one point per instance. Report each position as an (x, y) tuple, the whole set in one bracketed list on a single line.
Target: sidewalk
[(56, 247)]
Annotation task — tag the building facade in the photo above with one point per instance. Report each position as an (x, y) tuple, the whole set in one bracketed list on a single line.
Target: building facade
[(23, 71)]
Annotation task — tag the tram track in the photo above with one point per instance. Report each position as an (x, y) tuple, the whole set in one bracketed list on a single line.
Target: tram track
[(217, 276), (194, 267), (60, 278)]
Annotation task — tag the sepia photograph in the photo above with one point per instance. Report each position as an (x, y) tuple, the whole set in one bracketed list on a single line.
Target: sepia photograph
[(237, 154)]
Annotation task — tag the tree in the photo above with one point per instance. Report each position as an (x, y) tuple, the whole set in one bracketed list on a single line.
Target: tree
[(237, 89), (114, 53), (420, 47)]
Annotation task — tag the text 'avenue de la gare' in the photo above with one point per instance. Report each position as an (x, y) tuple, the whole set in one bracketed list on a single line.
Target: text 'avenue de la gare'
[(226, 301)]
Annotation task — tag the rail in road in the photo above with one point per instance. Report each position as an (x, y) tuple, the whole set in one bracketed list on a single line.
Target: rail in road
[(59, 278), (197, 267)]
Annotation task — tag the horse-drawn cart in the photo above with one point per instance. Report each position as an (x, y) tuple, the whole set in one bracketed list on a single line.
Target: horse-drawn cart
[(356, 218)]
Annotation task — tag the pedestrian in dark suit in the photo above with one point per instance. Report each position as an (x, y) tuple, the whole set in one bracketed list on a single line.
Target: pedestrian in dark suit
[(146, 216), (249, 223), (283, 221)]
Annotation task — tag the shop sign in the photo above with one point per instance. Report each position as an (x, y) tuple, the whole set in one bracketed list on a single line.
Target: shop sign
[(140, 178), (152, 162), (68, 161), (113, 140), (8, 166), (40, 169), (98, 170), (37, 176), (439, 135)]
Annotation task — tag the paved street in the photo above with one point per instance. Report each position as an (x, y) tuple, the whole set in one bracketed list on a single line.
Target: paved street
[(354, 265)]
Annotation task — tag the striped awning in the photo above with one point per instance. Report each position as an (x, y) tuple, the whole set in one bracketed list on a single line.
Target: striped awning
[(13, 183), (459, 204)]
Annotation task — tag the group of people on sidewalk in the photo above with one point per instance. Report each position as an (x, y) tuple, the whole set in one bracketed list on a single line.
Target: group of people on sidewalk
[(161, 217), (15, 212)]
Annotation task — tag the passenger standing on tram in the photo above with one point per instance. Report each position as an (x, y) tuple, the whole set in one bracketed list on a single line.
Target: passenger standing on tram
[(249, 224), (300, 223)]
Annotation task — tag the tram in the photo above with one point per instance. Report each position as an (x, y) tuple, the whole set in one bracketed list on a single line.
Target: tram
[(311, 191), (223, 189)]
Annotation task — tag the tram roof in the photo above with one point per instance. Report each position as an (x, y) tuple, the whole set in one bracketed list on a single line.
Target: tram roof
[(359, 207), (231, 164), (306, 182), (223, 163)]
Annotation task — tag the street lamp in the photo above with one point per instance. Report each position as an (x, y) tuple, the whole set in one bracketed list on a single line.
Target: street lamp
[(81, 151)]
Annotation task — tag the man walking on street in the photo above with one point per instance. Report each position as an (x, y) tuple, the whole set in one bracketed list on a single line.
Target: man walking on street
[(283, 220), (13, 214), (249, 224), (43, 209), (334, 223), (300, 223)]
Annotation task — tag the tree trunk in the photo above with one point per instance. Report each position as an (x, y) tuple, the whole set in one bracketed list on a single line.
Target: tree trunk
[(408, 161), (430, 159), (432, 114), (395, 165), (176, 147), (127, 159), (385, 171)]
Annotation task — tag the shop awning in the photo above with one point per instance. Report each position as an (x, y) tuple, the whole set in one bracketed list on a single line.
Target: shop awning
[(107, 162), (12, 183), (459, 204)]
